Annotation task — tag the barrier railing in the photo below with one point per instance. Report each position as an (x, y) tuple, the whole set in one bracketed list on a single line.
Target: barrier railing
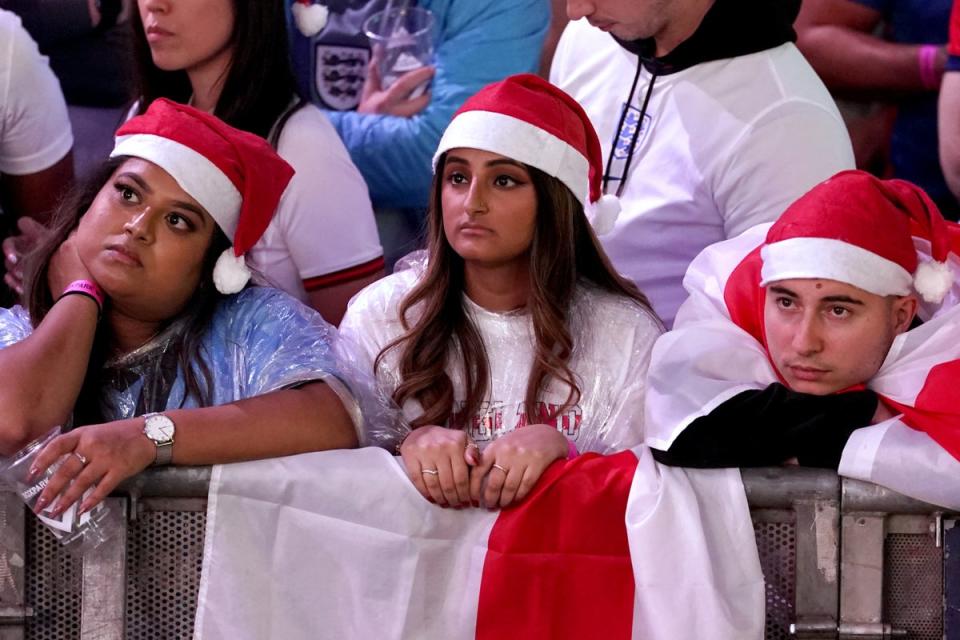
[(842, 559)]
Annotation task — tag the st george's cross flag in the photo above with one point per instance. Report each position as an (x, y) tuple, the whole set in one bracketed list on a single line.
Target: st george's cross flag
[(716, 351), (340, 545)]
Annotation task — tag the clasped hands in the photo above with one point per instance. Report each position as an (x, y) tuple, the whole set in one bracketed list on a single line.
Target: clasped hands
[(447, 468)]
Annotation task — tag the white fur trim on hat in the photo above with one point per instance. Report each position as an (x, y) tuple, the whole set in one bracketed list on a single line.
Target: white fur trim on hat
[(521, 141), (195, 174), (310, 19), (230, 274), (831, 259)]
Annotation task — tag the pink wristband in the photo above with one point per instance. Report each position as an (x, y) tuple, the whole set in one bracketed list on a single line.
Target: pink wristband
[(927, 63), (87, 288), (571, 450)]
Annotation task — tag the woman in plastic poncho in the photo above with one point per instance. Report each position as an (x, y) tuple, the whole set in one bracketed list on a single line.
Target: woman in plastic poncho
[(129, 330), (516, 319)]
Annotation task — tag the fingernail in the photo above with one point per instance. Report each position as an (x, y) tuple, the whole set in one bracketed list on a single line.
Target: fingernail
[(83, 509), (42, 502), (12, 258)]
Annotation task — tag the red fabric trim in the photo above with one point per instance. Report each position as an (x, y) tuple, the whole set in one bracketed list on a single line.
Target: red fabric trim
[(344, 275), (558, 565)]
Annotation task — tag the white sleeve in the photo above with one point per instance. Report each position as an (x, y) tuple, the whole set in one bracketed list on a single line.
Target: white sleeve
[(35, 130), (792, 146), (326, 215), (906, 460)]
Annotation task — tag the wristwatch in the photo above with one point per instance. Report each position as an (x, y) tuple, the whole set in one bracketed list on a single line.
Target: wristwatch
[(160, 429)]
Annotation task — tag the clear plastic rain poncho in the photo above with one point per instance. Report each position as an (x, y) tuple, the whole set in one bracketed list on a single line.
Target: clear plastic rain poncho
[(612, 335), (258, 341)]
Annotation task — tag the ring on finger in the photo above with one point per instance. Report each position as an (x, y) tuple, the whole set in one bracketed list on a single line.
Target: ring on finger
[(496, 466), (83, 460), (432, 472)]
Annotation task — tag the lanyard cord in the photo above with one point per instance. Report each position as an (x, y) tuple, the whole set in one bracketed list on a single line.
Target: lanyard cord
[(636, 133)]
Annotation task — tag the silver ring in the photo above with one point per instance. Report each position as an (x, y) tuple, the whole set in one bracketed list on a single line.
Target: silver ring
[(496, 466), (432, 472), (81, 458), (473, 444)]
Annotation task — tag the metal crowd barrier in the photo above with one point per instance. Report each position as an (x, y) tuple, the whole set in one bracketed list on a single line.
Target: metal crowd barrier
[(842, 559)]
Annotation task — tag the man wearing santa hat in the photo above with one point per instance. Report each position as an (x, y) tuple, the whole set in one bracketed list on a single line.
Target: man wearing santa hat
[(829, 338)]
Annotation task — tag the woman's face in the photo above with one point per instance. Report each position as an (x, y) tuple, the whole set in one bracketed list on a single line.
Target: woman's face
[(144, 240), (489, 207), (189, 35)]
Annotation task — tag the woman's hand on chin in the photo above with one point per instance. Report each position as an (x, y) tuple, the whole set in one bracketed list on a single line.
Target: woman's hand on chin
[(66, 267), (438, 461), (98, 456), (512, 464)]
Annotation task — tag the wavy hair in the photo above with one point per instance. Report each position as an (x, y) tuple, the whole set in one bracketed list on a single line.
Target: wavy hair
[(195, 316), (259, 83), (564, 252)]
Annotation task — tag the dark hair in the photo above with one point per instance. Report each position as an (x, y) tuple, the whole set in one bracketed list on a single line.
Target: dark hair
[(565, 251), (195, 316), (259, 83)]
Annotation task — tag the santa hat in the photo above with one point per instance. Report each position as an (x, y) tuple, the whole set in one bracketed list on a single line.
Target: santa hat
[(857, 229), (310, 18), (236, 176), (527, 119)]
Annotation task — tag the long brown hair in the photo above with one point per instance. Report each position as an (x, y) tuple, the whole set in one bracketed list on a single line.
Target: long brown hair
[(564, 252), (259, 83), (195, 316)]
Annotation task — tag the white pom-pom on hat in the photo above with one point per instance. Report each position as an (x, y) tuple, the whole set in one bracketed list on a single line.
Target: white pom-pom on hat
[(310, 18), (933, 280), (230, 274), (603, 214)]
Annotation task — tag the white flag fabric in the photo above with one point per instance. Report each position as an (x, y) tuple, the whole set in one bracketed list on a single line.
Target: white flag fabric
[(340, 545), (714, 352)]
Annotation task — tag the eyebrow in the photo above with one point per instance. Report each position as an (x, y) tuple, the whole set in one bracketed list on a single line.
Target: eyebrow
[(491, 163), (839, 298), (179, 204)]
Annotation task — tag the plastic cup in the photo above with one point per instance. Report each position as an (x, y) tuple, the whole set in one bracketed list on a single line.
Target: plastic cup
[(79, 533), (402, 41)]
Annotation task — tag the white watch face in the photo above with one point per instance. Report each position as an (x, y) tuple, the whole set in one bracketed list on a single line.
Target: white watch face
[(159, 428)]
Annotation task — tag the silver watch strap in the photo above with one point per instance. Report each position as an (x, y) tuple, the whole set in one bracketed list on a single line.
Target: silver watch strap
[(164, 454)]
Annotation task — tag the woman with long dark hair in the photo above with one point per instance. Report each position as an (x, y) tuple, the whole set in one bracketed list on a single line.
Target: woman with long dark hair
[(230, 58), (130, 336), (517, 318)]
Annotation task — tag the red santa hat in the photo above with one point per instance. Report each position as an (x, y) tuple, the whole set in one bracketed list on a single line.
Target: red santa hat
[(857, 229), (527, 119), (236, 176)]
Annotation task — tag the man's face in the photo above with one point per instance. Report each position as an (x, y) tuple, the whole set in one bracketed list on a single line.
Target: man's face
[(626, 19), (824, 336)]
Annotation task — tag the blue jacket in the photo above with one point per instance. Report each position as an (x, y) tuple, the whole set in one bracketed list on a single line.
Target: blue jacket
[(478, 42)]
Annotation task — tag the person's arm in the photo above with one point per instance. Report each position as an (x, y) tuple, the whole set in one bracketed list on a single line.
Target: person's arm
[(770, 426), (837, 37), (35, 195), (481, 41), (41, 376), (282, 423), (948, 118), (36, 163), (558, 22), (331, 299)]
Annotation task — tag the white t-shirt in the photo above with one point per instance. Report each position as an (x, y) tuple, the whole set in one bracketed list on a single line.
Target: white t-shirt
[(324, 222), (34, 128), (612, 336), (724, 145)]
